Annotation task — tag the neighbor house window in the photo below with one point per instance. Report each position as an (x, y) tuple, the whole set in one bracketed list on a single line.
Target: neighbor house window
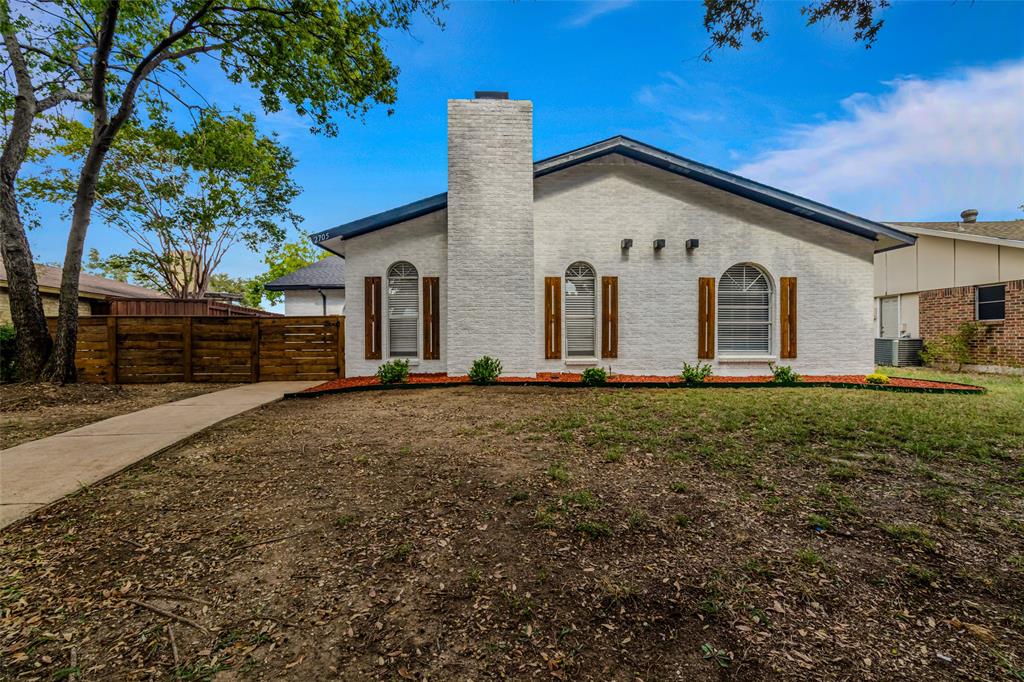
[(403, 310), (991, 302), (744, 311), (580, 311)]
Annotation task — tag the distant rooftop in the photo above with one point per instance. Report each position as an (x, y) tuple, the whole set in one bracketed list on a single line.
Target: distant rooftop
[(999, 229), (326, 273), (49, 277)]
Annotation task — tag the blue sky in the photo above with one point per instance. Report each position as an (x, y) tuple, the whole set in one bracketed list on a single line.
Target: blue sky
[(924, 124)]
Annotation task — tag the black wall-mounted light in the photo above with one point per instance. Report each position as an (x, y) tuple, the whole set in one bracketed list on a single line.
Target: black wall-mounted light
[(627, 244), (659, 244), (692, 244)]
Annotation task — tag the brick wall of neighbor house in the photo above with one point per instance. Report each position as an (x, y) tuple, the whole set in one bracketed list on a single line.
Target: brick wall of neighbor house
[(420, 241), (490, 234), (942, 311), (309, 302), (51, 306), (584, 212)]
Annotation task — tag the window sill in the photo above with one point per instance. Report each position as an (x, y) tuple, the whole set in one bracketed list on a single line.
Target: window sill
[(581, 361), (991, 321), (746, 358)]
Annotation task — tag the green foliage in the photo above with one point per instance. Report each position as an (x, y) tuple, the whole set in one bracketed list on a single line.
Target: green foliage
[(8, 353), (784, 374), (594, 376), (242, 286), (558, 472), (696, 374), (594, 530), (485, 370), (876, 378), (952, 349), (282, 260), (184, 198), (393, 372)]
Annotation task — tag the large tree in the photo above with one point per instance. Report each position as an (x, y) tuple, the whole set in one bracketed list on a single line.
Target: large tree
[(101, 57), (183, 198)]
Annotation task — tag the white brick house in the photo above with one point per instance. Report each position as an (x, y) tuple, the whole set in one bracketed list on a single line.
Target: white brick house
[(617, 255)]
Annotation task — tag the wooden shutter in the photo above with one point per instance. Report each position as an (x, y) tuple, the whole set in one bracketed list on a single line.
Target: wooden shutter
[(787, 317), (706, 318), (371, 317), (552, 318), (609, 317), (431, 318)]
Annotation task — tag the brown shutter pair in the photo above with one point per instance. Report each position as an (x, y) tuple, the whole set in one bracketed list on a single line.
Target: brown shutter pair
[(706, 317), (431, 318), (787, 316), (553, 317)]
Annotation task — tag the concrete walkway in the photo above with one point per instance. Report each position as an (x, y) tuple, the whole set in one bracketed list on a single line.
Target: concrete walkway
[(42, 471)]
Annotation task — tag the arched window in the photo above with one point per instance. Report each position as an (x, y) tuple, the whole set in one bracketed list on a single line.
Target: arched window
[(744, 311), (403, 310), (580, 309)]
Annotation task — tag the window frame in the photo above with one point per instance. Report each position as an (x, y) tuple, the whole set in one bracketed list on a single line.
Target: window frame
[(594, 316), (724, 353), (978, 302), (388, 354)]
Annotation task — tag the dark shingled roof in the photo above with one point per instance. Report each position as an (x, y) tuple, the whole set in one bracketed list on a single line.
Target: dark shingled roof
[(326, 273), (1000, 229), (755, 191)]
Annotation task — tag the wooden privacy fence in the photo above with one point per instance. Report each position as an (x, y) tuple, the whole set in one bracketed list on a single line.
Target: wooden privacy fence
[(159, 349)]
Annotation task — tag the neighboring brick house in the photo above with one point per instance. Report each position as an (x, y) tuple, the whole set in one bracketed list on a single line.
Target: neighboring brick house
[(94, 293), (616, 255), (957, 272), (317, 289)]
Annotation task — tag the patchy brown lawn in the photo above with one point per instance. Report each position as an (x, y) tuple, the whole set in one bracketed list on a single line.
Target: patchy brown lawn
[(531, 533), (33, 411)]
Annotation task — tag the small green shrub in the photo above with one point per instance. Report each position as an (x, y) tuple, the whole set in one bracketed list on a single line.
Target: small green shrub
[(696, 374), (594, 529), (594, 376), (485, 370), (393, 372), (784, 374), (952, 349), (876, 378), (8, 354)]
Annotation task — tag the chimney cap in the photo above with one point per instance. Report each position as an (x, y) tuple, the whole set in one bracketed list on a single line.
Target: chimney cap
[(490, 94), (969, 215)]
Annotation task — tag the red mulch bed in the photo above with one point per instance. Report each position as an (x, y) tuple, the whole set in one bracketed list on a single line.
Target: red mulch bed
[(574, 379)]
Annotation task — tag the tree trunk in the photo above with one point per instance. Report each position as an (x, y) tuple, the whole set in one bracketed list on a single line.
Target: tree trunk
[(33, 338), (61, 366)]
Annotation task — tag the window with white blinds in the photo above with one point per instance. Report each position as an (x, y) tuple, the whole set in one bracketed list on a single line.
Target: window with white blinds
[(403, 310), (744, 311), (580, 311)]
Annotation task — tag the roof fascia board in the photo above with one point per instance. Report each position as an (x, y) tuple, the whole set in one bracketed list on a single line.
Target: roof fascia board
[(301, 287)]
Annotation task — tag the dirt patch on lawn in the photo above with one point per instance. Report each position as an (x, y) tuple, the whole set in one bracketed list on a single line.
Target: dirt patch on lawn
[(33, 411), (539, 533)]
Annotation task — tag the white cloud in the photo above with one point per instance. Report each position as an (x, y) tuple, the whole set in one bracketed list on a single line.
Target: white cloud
[(923, 150), (596, 8)]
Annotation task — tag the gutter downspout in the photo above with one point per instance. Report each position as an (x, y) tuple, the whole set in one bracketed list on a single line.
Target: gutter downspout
[(323, 296)]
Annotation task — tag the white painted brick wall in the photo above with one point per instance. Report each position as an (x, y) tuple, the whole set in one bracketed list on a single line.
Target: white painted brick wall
[(307, 302), (421, 242), (584, 212), (490, 234)]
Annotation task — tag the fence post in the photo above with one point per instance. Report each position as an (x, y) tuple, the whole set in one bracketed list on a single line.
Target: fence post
[(186, 346), (111, 349), (254, 361), (341, 347)]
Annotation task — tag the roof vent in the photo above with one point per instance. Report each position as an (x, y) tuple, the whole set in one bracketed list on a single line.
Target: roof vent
[(969, 216), (490, 94)]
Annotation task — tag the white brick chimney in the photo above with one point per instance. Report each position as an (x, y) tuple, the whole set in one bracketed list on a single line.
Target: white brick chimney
[(490, 298)]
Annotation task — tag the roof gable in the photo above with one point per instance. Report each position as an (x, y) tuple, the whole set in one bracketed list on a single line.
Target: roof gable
[(673, 163)]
